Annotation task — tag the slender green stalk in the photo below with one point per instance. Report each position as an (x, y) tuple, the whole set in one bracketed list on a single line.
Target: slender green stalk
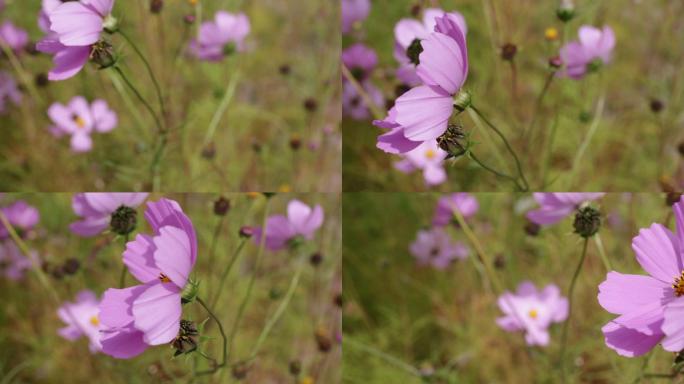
[(564, 337), (602, 252), (122, 278), (538, 105), (367, 100), (348, 341), (21, 72), (223, 335), (160, 96), (518, 166), (221, 110), (281, 309), (226, 272), (642, 371), (548, 148), (214, 243), (140, 97), (587, 139), (494, 171)]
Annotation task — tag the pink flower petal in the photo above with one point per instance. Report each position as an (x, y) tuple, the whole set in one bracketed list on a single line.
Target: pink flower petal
[(157, 312), (173, 254), (658, 253), (424, 112)]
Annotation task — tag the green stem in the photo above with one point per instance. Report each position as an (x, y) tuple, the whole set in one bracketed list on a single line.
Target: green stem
[(140, 97), (602, 252), (548, 148), (564, 337), (221, 110), (226, 272), (507, 144), (214, 242), (348, 341), (538, 104), (223, 335), (367, 99), (160, 96), (281, 309), (494, 171), (122, 278), (21, 72), (587, 139)]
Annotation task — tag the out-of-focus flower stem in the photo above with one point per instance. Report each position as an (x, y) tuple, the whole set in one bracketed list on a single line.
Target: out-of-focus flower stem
[(367, 100), (223, 335), (564, 335), (494, 171), (602, 252), (348, 341), (221, 110), (21, 72), (226, 272), (587, 139)]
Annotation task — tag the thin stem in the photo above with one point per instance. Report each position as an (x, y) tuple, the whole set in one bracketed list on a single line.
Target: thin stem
[(223, 335), (642, 371), (250, 286), (367, 100), (226, 272), (564, 337), (122, 278), (21, 72), (494, 171), (140, 97), (602, 252), (507, 144), (221, 110), (214, 242), (587, 139), (281, 309), (548, 148), (160, 96), (383, 356), (538, 104)]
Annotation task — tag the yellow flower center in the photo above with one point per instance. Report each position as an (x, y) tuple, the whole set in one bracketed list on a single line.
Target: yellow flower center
[(551, 34), (533, 313), (78, 120), (94, 321), (679, 285), (163, 278), (430, 154)]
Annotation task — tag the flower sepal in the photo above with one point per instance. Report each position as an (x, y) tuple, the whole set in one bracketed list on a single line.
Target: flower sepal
[(190, 291)]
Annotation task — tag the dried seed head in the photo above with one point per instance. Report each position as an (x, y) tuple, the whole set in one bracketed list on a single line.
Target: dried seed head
[(587, 221), (123, 220)]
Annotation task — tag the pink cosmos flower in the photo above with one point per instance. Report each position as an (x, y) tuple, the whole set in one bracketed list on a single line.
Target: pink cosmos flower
[(44, 17), (81, 319), (423, 113), (281, 231), (9, 91), (353, 11), (96, 210), (434, 247), (15, 38), (148, 314), (361, 60), (79, 23), (13, 264), (68, 61), (354, 106), (649, 307), (532, 311), (429, 158), (464, 202), (595, 47), (80, 119), (554, 207), (407, 31), (221, 37), (22, 216)]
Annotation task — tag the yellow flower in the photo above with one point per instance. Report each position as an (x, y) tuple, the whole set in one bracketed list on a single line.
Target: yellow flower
[(307, 380), (284, 188), (551, 34)]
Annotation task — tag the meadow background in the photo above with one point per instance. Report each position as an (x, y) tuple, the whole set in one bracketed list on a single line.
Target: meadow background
[(31, 351), (266, 140), (634, 149), (400, 318)]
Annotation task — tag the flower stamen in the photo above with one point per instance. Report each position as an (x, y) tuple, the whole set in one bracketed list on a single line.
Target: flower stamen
[(679, 285), (163, 278)]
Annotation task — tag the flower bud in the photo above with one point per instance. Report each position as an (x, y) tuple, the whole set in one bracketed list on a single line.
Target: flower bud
[(532, 228), (413, 51), (323, 340), (295, 367), (587, 221), (551, 34), (246, 232), (338, 300), (71, 266), (187, 339), (566, 11), (102, 53), (190, 291), (285, 69), (209, 151), (451, 141), (555, 62), (508, 51), (189, 19), (221, 206), (316, 259), (156, 6), (295, 143), (240, 370), (123, 220), (462, 100), (656, 105), (310, 105), (41, 80), (110, 24)]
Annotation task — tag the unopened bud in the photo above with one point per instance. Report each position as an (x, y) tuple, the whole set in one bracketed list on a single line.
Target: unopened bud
[(555, 62), (462, 100), (240, 371), (102, 53), (295, 367), (566, 11), (156, 6), (323, 340), (189, 19), (316, 259), (246, 232), (532, 228), (71, 266), (508, 51), (451, 141), (187, 339), (123, 220), (221, 206), (587, 221), (657, 105)]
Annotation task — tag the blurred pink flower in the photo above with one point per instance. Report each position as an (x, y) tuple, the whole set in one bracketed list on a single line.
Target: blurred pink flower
[(594, 48), (532, 311), (434, 247), (464, 202), (9, 91), (360, 60), (80, 119), (221, 37), (22, 216), (354, 106), (44, 17), (96, 210), (407, 31), (13, 264), (650, 308), (81, 318), (423, 113), (427, 157), (301, 223), (353, 11), (15, 38), (148, 314), (554, 207)]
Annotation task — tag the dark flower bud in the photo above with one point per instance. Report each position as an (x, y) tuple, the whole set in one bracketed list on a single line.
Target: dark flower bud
[(338, 300), (187, 339), (209, 151), (594, 65), (566, 11), (587, 221), (499, 262), (189, 292), (57, 272), (508, 51), (323, 340), (189, 19), (585, 117), (240, 371), (156, 6), (451, 141), (532, 228), (671, 198), (680, 148), (284, 69), (256, 146), (316, 259), (415, 10), (268, 195), (310, 105), (102, 53), (414, 50), (246, 232), (41, 80), (295, 143), (555, 62), (221, 206), (295, 367), (657, 105), (124, 220), (71, 266)]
